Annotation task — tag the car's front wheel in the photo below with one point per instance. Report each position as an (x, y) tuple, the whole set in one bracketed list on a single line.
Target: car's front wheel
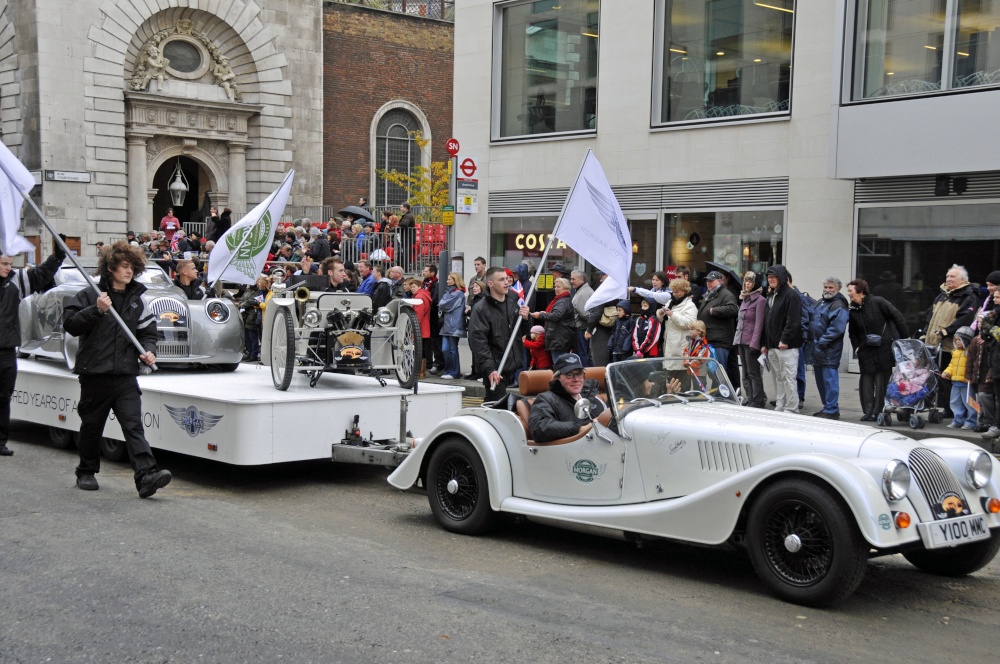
[(805, 545), (458, 490), (956, 561)]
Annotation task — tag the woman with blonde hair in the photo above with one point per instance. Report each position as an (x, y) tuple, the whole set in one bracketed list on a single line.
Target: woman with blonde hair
[(677, 318), (452, 308)]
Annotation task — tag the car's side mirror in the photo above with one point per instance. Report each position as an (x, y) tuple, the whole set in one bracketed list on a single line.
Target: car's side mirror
[(582, 409)]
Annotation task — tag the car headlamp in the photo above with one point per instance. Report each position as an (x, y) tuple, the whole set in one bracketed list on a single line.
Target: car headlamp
[(311, 318), (217, 311), (384, 317), (895, 480), (978, 469)]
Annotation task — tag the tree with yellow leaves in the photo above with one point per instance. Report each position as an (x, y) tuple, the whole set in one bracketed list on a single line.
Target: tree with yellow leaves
[(426, 188)]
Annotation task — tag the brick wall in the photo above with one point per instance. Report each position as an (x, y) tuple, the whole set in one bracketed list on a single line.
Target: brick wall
[(372, 57)]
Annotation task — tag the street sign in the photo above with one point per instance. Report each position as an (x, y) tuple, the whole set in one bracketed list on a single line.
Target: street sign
[(452, 147), (448, 215), (68, 176), (468, 167)]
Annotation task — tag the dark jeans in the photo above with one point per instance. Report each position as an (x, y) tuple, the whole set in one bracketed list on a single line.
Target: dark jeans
[(872, 387), (252, 338), (8, 376), (753, 383), (99, 395), (800, 377), (828, 384), (583, 349), (452, 363)]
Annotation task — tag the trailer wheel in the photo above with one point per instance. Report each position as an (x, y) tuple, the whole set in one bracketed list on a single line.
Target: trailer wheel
[(63, 439), (282, 349), (113, 449), (457, 489), (407, 352)]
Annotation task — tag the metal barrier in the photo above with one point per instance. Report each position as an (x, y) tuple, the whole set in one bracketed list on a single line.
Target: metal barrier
[(439, 9)]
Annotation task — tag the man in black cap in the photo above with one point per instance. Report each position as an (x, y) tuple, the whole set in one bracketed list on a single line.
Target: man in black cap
[(552, 416), (559, 271), (718, 311)]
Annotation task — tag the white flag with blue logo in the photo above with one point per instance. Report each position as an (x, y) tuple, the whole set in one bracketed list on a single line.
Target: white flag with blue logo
[(593, 226)]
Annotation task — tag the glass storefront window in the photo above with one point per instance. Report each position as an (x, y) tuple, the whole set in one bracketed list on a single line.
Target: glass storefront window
[(725, 58), (900, 251), (514, 239), (546, 60), (740, 240), (907, 47)]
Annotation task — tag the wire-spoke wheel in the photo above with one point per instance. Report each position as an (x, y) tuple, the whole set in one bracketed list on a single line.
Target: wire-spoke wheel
[(457, 489), (805, 545), (407, 352), (282, 349)]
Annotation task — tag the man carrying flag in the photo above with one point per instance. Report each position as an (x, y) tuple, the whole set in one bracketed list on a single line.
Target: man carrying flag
[(15, 284)]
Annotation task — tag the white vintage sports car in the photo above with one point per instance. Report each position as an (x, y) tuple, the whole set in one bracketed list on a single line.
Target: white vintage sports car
[(810, 499)]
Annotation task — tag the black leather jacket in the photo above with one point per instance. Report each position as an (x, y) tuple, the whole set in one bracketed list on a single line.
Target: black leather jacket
[(552, 415), (104, 347), (18, 284)]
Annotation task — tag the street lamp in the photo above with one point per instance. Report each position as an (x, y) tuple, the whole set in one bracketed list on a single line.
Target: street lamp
[(179, 187)]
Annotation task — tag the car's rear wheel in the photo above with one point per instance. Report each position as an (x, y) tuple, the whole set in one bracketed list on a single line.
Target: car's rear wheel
[(956, 561), (282, 349), (113, 449), (227, 367), (805, 545), (64, 439), (408, 353), (458, 490)]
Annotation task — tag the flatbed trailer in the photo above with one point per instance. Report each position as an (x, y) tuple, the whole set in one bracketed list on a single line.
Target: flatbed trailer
[(241, 419)]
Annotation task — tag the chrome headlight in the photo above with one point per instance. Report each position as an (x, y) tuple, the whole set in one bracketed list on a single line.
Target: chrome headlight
[(978, 469), (384, 317), (311, 318), (217, 311), (895, 480)]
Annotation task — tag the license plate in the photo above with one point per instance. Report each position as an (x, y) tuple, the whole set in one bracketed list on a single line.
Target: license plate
[(955, 531)]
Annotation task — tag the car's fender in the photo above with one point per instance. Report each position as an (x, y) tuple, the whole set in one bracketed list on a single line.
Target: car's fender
[(482, 436)]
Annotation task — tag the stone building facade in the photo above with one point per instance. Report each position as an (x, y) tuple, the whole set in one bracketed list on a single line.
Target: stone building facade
[(375, 62), (116, 95)]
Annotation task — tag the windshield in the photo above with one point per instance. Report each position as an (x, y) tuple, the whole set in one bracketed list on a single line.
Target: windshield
[(667, 380), (153, 275)]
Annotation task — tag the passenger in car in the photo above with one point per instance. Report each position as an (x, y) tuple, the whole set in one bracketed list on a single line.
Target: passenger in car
[(552, 416)]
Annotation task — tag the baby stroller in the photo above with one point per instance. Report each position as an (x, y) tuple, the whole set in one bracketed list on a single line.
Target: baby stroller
[(913, 385)]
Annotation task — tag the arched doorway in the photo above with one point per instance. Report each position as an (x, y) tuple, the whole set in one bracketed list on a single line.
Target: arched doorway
[(198, 182)]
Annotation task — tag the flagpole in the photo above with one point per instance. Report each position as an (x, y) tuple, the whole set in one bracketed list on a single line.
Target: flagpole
[(541, 266), (62, 245), (246, 236)]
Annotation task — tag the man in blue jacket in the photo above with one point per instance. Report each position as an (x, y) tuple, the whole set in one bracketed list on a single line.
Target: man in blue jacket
[(108, 363), (827, 325)]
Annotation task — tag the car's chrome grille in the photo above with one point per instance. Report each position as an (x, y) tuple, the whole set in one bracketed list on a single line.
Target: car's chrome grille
[(173, 334), (724, 457), (933, 476)]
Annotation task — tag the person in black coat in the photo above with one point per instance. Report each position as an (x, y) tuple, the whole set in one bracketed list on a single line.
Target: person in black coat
[(872, 315), (491, 324), (560, 321), (108, 363), (14, 285), (552, 414), (783, 336)]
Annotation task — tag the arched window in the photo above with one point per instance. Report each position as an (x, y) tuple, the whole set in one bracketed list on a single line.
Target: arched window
[(395, 150)]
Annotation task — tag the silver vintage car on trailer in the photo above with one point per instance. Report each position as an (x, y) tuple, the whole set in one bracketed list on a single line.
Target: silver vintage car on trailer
[(192, 333), (810, 500)]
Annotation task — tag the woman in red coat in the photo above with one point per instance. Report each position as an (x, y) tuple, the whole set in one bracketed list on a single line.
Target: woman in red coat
[(423, 310)]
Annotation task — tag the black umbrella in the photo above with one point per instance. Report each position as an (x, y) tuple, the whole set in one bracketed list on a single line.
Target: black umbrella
[(357, 212), (735, 281)]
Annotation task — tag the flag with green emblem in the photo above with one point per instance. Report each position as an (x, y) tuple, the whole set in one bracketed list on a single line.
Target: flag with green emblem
[(241, 252)]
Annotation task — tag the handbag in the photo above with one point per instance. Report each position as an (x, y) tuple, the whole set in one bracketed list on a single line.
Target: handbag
[(875, 340), (608, 316)]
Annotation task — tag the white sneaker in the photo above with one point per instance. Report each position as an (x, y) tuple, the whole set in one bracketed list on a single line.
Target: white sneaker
[(994, 432), (446, 377), (954, 425)]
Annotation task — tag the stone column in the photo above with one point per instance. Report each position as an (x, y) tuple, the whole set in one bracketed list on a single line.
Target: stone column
[(238, 178), (138, 208)]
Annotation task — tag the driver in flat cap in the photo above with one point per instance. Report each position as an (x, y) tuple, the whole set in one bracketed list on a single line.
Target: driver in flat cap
[(552, 415)]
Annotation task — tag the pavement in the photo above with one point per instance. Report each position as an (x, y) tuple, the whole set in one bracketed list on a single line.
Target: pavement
[(850, 403)]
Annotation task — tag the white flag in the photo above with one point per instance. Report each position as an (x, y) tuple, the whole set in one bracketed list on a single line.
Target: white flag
[(11, 242), (241, 252), (608, 290), (593, 225)]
